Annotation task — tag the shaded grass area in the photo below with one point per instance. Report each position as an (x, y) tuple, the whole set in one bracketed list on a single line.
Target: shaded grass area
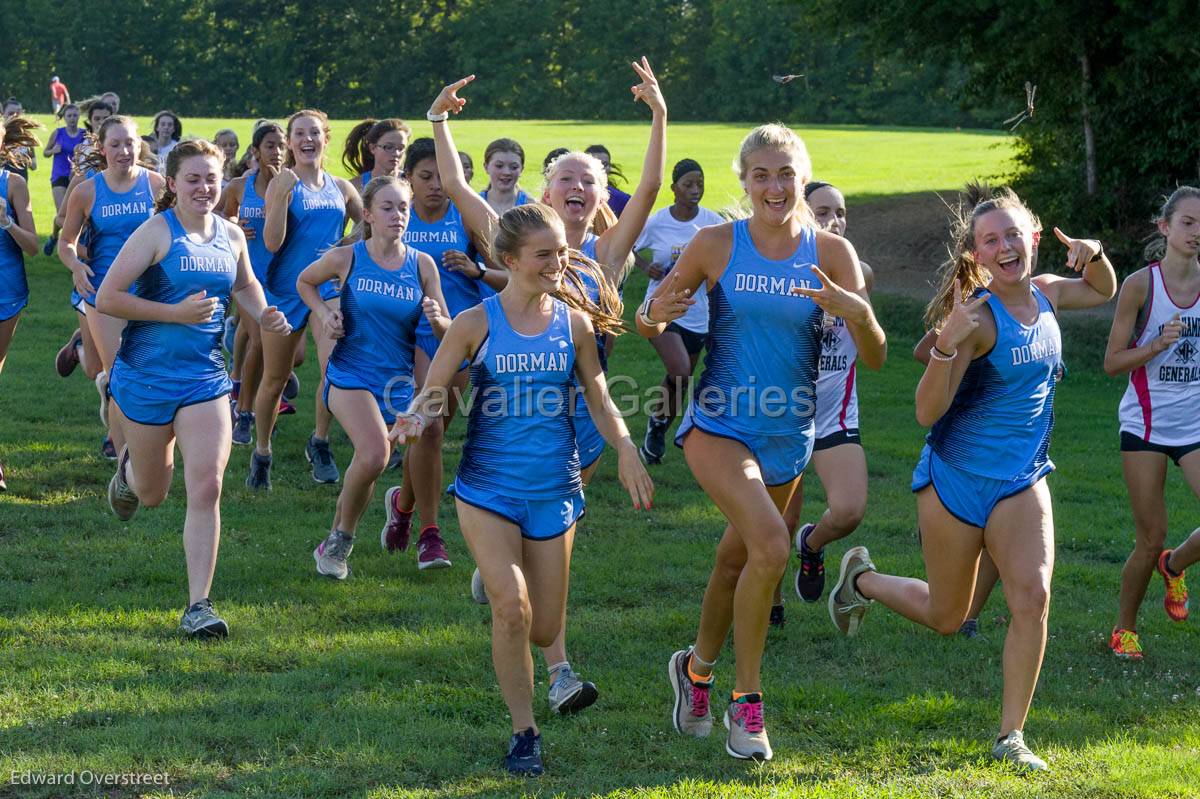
[(383, 686)]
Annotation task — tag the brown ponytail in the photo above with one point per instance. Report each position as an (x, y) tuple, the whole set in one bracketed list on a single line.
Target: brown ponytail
[(514, 228), (976, 199), (17, 141)]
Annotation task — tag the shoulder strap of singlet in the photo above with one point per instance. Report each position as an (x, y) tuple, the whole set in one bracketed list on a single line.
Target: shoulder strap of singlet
[(173, 224)]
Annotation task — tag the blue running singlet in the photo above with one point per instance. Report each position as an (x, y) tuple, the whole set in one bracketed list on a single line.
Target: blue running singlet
[(520, 436), (253, 210), (113, 218), (163, 366), (999, 423), (14, 290), (380, 309), (434, 239), (316, 219), (765, 342)]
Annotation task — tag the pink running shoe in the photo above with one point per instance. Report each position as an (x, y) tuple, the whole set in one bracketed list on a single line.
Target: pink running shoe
[(396, 532), (431, 550)]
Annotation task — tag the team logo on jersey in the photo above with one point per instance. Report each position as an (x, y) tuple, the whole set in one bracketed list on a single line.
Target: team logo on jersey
[(829, 339), (1185, 352), (568, 510)]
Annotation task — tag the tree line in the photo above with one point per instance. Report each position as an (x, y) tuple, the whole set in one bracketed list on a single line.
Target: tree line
[(1113, 126)]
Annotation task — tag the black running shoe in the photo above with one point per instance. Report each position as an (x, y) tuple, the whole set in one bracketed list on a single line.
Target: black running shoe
[(524, 756), (777, 619), (260, 472), (654, 446), (969, 629), (51, 243), (107, 450), (292, 387), (810, 577)]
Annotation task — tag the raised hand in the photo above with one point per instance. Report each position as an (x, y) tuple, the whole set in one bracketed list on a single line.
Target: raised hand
[(833, 299), (407, 427), (332, 323), (648, 90), (448, 99), (272, 320), (247, 229), (196, 309), (962, 321), (1170, 335), (1080, 252), (634, 477), (671, 303), (287, 180)]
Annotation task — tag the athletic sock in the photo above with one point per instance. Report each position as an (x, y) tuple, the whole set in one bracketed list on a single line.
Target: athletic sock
[(739, 694), (1167, 565), (700, 678), (551, 670), (344, 535)]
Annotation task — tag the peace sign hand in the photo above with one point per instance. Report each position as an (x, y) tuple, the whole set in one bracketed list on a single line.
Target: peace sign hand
[(835, 300), (1080, 252), (648, 90), (962, 322), (672, 303), (448, 99)]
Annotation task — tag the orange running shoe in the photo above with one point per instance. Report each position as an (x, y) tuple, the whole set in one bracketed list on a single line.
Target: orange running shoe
[(1176, 600), (1125, 644)]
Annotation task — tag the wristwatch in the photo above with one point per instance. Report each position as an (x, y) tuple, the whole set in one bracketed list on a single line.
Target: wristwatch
[(483, 270), (1098, 255)]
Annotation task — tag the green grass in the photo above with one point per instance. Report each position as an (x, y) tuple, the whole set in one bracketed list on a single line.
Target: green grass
[(864, 162), (383, 686)]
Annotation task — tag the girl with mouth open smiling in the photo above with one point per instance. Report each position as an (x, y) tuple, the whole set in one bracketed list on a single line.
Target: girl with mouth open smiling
[(988, 395), (306, 209)]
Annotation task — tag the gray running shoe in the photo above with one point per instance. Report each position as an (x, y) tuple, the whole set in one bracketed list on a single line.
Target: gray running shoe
[(479, 593), (259, 478), (243, 428), (1012, 749), (747, 739), (102, 388), (691, 715), (121, 499), (569, 694), (654, 445), (318, 453), (201, 621), (331, 555), (846, 605)]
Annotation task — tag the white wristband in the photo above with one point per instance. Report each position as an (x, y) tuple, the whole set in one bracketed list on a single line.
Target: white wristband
[(644, 313), (432, 117)]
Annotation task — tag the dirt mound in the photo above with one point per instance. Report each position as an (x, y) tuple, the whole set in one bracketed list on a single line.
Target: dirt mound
[(903, 239)]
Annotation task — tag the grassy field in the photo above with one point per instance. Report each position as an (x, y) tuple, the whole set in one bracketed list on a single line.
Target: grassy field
[(864, 162), (383, 687)]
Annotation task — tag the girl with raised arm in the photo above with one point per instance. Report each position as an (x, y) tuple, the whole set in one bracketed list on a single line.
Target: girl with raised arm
[(988, 395)]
